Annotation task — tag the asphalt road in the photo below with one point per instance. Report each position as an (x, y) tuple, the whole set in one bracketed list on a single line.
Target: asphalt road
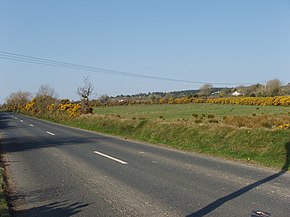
[(60, 171)]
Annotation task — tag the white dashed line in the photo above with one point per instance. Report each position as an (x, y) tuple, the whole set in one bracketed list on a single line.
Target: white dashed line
[(50, 133), (31, 125), (112, 158), (21, 121)]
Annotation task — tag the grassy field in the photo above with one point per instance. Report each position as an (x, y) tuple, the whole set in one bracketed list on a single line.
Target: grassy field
[(186, 111)]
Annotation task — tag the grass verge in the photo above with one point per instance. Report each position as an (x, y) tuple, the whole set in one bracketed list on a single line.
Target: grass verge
[(4, 210), (258, 145)]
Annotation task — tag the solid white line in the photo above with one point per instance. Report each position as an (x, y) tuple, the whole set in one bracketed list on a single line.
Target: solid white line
[(31, 125), (50, 133), (112, 158)]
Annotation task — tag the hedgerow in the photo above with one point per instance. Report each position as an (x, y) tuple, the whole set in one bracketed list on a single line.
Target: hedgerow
[(257, 101)]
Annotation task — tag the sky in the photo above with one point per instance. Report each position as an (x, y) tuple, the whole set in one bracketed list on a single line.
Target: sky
[(210, 41)]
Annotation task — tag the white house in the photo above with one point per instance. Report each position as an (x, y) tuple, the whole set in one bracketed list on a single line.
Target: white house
[(236, 93)]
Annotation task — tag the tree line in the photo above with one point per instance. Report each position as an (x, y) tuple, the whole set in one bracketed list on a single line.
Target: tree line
[(47, 96)]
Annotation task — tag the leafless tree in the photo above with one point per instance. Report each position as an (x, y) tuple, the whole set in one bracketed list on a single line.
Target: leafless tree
[(104, 99), (45, 96), (205, 90), (273, 87), (46, 90), (18, 98), (86, 91)]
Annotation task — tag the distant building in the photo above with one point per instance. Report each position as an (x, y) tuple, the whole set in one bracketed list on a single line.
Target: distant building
[(215, 94), (236, 93)]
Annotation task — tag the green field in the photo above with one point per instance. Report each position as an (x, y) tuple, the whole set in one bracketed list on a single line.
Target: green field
[(185, 111)]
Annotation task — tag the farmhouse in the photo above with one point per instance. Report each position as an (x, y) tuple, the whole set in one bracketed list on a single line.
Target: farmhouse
[(236, 93)]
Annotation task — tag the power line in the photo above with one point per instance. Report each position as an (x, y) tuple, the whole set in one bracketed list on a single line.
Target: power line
[(55, 63)]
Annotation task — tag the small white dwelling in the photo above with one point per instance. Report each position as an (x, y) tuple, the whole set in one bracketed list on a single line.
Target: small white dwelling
[(236, 93)]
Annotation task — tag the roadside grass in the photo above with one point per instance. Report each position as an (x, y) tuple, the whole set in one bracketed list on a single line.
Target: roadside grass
[(4, 211)]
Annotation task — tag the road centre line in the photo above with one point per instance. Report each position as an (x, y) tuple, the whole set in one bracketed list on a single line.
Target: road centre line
[(110, 157), (50, 133)]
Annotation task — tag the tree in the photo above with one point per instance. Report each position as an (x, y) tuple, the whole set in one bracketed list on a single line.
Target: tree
[(205, 90), (46, 90), (85, 92), (253, 90), (286, 89), (273, 87), (18, 98), (104, 99), (45, 96)]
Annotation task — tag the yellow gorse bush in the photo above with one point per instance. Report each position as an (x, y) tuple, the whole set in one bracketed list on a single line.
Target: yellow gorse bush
[(72, 109), (51, 107), (63, 107), (256, 101), (29, 105), (284, 126)]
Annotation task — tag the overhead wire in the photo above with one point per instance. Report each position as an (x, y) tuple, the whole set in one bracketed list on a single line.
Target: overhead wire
[(56, 63)]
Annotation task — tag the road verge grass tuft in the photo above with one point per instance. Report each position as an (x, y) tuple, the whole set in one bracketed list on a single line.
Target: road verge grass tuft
[(4, 210)]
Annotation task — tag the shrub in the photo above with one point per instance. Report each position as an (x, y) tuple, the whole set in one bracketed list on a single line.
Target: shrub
[(213, 121), (210, 116), (195, 115)]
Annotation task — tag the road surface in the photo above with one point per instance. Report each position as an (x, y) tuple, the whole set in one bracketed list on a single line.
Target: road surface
[(60, 171)]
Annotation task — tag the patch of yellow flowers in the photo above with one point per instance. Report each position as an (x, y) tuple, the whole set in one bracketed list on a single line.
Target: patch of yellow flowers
[(60, 107), (256, 101), (284, 126), (72, 109), (30, 105)]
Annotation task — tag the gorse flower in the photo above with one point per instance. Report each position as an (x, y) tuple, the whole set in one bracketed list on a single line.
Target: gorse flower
[(284, 126)]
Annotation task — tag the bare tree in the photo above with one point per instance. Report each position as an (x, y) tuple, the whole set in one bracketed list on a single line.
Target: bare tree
[(205, 90), (104, 99), (273, 87), (45, 96), (46, 90), (18, 98), (86, 90)]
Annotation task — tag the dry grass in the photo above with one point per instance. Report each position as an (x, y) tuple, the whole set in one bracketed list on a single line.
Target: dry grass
[(262, 121)]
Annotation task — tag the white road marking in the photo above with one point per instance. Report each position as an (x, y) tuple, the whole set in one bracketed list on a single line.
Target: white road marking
[(21, 121), (50, 133), (112, 158), (15, 118), (31, 125)]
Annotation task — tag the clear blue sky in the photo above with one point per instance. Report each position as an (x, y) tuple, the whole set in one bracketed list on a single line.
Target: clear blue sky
[(246, 41)]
